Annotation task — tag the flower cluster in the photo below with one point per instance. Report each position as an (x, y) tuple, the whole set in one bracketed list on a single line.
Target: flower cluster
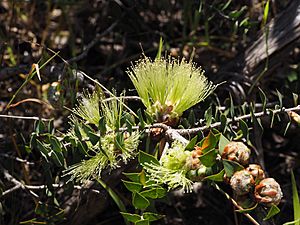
[(251, 180), (172, 169), (95, 132), (168, 87)]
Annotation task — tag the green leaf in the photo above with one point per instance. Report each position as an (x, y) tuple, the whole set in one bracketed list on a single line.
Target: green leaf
[(160, 46), (247, 210), (57, 155), (132, 186), (141, 119), (129, 125), (272, 212), (192, 118), (145, 157), (209, 142), (263, 98), (77, 131), (222, 143), (51, 126), (296, 202), (131, 217), (93, 137), (135, 177), (231, 167), (295, 99), (231, 108), (223, 120), (295, 222), (208, 116), (244, 128), (55, 144), (39, 127), (216, 177), (142, 222), (287, 127), (209, 158), (157, 192), (237, 13), (139, 201), (152, 216), (102, 125), (191, 145), (82, 146), (41, 147), (280, 97), (266, 12)]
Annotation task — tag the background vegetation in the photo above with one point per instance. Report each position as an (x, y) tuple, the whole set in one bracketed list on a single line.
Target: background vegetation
[(46, 46)]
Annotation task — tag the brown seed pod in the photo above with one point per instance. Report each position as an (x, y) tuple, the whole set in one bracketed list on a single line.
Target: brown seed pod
[(256, 171), (242, 182), (236, 151), (268, 192)]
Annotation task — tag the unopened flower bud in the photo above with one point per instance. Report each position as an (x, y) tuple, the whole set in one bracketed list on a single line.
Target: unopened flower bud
[(237, 151), (268, 192), (242, 182), (192, 163), (197, 174), (256, 171)]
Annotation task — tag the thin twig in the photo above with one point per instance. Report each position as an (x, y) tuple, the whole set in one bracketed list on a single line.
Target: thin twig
[(235, 119), (237, 205), (16, 159), (25, 117), (92, 43)]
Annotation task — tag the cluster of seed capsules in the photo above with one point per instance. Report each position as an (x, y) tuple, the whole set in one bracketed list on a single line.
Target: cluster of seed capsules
[(251, 182)]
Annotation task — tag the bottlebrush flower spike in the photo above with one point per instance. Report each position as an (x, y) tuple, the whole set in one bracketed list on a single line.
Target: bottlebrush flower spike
[(110, 146), (268, 192), (237, 151), (168, 87), (173, 168)]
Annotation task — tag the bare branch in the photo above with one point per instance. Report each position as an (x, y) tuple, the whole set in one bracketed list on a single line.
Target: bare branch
[(92, 43), (247, 116), (25, 117), (16, 158)]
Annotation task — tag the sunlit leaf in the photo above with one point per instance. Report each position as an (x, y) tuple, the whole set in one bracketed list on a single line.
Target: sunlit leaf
[(222, 143), (244, 128), (216, 177), (156, 192), (296, 203), (231, 167), (145, 157), (131, 217), (191, 145), (152, 216), (263, 98), (142, 222), (133, 186), (272, 212), (139, 201), (208, 116), (209, 158)]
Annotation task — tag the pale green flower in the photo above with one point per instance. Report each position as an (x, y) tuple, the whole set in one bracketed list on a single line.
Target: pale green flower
[(173, 168), (112, 146), (168, 87)]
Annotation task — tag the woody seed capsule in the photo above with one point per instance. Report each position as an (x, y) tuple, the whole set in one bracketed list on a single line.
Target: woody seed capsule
[(242, 182), (237, 151), (268, 192)]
